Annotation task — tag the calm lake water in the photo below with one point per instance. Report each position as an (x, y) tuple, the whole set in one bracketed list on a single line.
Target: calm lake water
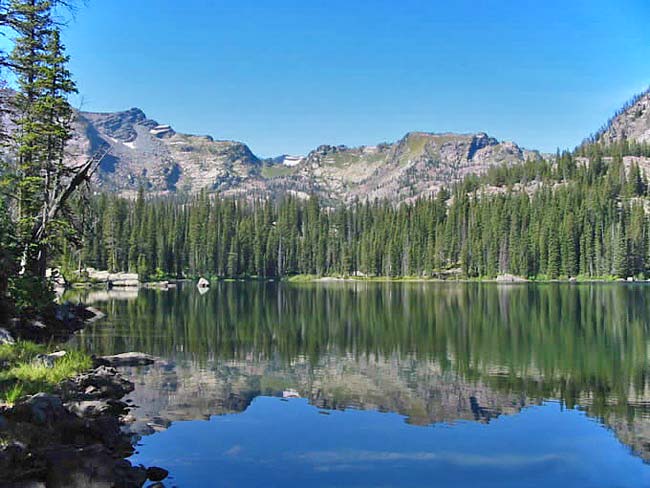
[(368, 384)]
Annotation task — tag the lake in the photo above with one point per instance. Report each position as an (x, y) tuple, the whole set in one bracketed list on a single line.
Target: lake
[(386, 384)]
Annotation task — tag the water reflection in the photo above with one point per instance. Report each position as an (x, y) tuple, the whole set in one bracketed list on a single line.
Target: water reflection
[(431, 352)]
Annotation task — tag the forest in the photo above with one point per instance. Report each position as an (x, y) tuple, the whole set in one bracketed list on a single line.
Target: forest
[(563, 218)]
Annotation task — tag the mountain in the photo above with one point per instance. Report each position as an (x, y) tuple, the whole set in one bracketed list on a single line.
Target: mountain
[(146, 152), (631, 123), (418, 164)]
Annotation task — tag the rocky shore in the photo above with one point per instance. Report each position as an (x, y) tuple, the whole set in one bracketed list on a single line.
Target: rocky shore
[(56, 323), (75, 436)]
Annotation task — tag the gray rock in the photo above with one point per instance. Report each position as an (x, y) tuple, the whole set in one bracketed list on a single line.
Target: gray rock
[(102, 383), (126, 359), (39, 409), (509, 278), (43, 360), (6, 337), (96, 408), (37, 324), (48, 360)]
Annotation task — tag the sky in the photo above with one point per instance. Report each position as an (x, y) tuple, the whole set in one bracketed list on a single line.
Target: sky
[(287, 76)]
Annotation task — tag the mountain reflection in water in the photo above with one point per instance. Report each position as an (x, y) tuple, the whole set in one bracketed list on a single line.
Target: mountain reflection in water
[(434, 353)]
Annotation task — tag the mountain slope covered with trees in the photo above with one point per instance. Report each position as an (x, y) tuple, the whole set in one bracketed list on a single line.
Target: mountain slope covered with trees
[(581, 214)]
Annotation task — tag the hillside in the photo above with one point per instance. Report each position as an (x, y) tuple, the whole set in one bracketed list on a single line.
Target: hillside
[(632, 122), (145, 152)]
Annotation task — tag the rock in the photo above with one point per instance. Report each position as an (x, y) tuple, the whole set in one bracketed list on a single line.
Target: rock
[(159, 285), (12, 455), (203, 283), (48, 360), (97, 314), (96, 408), (91, 466), (154, 473), (40, 409), (631, 124), (6, 337), (43, 360), (509, 278), (102, 383), (55, 276), (111, 279), (37, 324), (126, 359)]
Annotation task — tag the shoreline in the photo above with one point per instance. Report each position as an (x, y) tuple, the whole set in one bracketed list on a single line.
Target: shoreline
[(74, 435), (297, 279)]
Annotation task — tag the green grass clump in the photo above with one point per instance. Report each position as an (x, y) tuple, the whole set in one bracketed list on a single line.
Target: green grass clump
[(21, 351), (34, 372), (13, 393), (23, 375), (301, 278)]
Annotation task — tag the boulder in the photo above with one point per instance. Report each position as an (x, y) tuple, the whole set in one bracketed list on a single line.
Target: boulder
[(43, 360), (39, 409), (112, 279), (96, 408), (509, 278), (88, 466), (154, 473), (101, 383), (126, 359), (48, 360), (6, 337)]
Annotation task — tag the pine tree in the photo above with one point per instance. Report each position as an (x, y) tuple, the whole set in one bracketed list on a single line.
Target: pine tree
[(43, 119)]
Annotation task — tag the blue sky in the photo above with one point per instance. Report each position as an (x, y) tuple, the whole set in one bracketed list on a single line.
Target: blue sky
[(286, 76)]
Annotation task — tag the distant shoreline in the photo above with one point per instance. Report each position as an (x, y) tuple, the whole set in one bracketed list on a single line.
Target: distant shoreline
[(298, 279)]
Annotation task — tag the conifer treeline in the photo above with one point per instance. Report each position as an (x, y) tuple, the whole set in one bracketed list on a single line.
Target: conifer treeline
[(574, 220)]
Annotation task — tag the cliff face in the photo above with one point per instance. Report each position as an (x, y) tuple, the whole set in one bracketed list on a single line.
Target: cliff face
[(144, 152)]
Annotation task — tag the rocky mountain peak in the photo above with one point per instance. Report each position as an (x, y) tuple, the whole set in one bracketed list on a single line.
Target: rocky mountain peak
[(120, 125), (148, 153), (632, 122)]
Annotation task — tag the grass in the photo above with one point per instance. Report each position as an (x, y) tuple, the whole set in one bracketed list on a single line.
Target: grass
[(301, 278), (12, 394), (21, 351), (23, 375), (276, 171)]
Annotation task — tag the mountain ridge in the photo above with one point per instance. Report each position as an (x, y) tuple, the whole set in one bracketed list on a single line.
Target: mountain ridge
[(147, 153)]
